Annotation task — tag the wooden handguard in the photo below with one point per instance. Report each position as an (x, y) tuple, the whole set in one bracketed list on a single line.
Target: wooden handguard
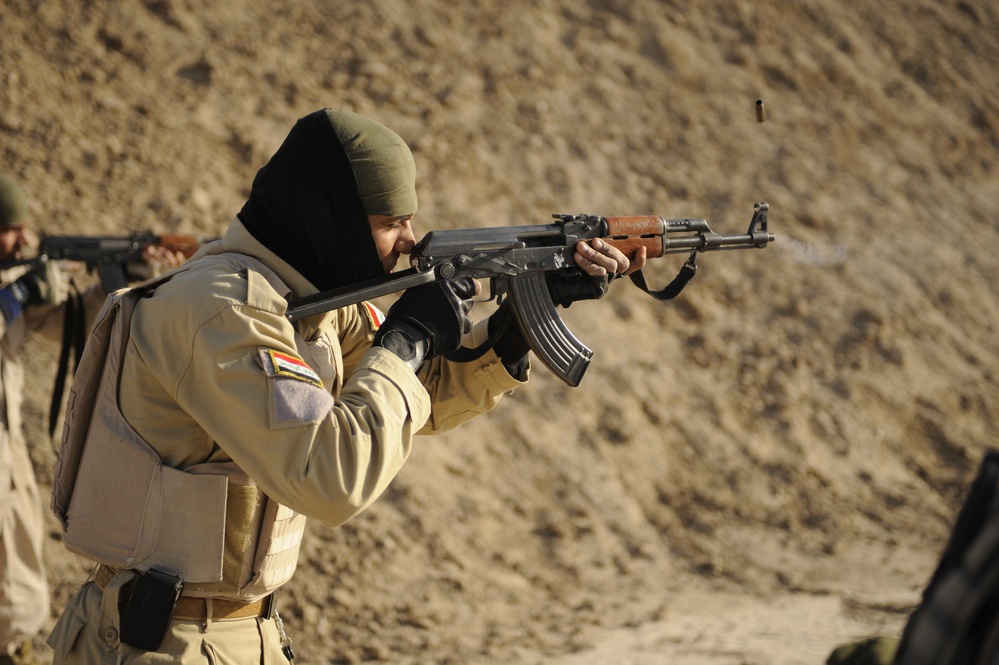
[(177, 242), (630, 233)]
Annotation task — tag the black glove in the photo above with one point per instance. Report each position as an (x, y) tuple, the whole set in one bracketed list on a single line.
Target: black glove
[(567, 288), (428, 320), (511, 347)]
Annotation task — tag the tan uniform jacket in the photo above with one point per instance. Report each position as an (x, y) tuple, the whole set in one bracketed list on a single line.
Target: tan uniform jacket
[(209, 380)]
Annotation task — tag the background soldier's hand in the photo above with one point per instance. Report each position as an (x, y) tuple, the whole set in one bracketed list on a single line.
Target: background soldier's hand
[(42, 285), (156, 260), (428, 320)]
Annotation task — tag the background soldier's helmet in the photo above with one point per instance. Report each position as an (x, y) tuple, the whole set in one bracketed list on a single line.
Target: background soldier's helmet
[(13, 204)]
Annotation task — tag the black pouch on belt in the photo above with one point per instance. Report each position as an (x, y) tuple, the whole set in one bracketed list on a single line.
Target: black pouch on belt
[(145, 621)]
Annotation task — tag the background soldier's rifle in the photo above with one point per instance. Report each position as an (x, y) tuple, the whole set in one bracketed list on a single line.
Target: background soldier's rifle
[(517, 259), (109, 256)]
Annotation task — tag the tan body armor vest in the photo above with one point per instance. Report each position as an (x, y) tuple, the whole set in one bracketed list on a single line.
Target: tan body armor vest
[(121, 506)]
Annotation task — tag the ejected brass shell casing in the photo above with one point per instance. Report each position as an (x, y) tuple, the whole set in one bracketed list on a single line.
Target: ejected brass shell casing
[(761, 113)]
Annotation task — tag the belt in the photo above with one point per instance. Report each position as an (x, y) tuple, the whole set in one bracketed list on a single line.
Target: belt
[(190, 608)]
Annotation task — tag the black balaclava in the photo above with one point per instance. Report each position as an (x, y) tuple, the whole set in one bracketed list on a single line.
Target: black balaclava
[(309, 204)]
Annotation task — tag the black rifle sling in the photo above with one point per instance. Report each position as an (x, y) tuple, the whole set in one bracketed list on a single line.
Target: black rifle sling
[(672, 290), (74, 336), (69, 317)]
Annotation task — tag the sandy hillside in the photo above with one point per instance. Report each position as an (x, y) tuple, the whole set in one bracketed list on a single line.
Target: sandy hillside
[(748, 475)]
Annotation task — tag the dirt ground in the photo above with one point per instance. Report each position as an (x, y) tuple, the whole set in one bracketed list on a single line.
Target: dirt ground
[(748, 475)]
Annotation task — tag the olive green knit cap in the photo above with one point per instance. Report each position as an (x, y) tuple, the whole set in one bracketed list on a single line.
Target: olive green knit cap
[(382, 163), (13, 204)]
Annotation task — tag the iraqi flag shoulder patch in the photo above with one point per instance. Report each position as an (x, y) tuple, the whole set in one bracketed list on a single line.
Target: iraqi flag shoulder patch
[(280, 364), (372, 314)]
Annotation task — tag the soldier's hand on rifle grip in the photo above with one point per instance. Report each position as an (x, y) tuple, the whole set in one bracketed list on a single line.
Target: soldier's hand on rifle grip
[(428, 320)]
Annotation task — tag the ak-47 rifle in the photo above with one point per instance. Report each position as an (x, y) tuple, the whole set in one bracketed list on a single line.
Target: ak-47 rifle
[(516, 260), (109, 255)]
